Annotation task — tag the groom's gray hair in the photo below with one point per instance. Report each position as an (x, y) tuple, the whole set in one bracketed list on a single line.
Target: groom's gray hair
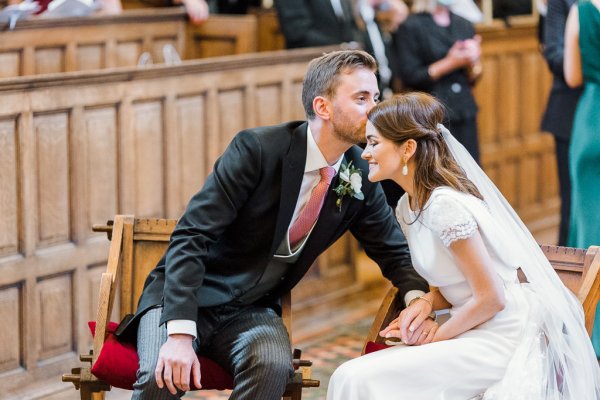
[(322, 77)]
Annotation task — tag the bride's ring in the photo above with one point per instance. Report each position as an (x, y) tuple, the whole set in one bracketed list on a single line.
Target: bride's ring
[(425, 333)]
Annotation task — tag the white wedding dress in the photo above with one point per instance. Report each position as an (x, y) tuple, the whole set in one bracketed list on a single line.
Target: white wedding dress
[(501, 357)]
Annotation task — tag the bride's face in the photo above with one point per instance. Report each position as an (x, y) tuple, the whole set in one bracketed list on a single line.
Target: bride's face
[(383, 155)]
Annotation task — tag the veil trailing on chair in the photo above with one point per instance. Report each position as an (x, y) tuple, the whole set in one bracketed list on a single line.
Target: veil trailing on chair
[(566, 361)]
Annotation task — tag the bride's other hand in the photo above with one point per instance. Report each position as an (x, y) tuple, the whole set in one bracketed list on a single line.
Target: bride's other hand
[(426, 333)]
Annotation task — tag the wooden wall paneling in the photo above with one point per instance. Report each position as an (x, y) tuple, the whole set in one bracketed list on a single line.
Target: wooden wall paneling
[(269, 36), (234, 120), (10, 63), (486, 95), (91, 56), (55, 297), (50, 60), (52, 175), (100, 136), (269, 101), (222, 35), (11, 315), (191, 133), (149, 167), (172, 171), (512, 99), (73, 44), (9, 182)]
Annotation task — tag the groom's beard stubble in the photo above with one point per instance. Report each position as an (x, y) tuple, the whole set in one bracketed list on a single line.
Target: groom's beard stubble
[(346, 130)]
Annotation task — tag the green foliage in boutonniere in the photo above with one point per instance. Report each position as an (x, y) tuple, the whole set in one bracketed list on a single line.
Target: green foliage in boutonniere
[(350, 184)]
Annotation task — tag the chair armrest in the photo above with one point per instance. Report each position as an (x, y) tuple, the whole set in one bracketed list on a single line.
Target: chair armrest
[(389, 309), (589, 292)]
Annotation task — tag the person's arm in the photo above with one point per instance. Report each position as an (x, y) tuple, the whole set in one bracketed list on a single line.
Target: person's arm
[(554, 36), (474, 261), (298, 26), (197, 10), (572, 63), (415, 70), (207, 216)]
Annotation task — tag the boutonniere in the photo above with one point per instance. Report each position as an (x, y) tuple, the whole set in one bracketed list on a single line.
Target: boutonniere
[(350, 184)]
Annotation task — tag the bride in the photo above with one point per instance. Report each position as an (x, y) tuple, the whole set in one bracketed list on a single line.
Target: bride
[(503, 340)]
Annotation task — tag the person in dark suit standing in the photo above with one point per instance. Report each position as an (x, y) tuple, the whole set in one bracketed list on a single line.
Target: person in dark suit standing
[(560, 110), (277, 198), (438, 53)]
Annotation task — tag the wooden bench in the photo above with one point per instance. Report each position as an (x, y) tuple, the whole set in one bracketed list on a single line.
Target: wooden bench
[(577, 268), (136, 246), (44, 46)]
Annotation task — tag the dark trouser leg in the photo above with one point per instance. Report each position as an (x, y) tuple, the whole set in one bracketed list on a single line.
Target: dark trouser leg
[(254, 344), (151, 337), (564, 181)]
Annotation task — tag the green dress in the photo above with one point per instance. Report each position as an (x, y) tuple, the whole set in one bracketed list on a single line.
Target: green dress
[(584, 152)]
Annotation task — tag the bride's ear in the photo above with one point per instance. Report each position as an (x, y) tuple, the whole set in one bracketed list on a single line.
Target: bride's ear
[(410, 148)]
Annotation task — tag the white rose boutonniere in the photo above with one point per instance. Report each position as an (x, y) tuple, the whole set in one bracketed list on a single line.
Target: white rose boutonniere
[(350, 184)]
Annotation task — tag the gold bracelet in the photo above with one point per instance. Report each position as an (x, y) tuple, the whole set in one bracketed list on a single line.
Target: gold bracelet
[(426, 299)]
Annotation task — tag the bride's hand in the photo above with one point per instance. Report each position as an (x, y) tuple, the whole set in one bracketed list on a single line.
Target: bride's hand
[(408, 325)]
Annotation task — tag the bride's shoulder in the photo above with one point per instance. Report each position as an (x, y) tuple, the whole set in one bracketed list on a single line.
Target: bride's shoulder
[(449, 214)]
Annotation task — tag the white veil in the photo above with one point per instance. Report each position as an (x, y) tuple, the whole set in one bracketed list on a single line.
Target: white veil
[(569, 364)]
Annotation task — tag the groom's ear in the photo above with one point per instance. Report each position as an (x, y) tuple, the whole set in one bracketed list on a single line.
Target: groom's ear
[(322, 107)]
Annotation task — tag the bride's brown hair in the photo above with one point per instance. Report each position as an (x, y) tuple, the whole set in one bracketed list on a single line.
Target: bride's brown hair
[(416, 116)]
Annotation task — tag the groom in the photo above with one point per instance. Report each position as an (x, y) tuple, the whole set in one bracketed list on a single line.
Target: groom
[(262, 218)]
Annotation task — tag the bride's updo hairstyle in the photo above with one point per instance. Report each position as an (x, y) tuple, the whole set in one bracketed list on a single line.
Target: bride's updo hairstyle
[(416, 116)]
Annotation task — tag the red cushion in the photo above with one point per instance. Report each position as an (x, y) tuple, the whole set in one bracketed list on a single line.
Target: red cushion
[(373, 347), (118, 363)]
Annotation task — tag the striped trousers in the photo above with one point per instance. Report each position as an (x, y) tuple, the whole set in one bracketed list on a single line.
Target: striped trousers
[(249, 341)]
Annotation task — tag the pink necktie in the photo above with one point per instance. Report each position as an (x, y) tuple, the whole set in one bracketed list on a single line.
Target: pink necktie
[(310, 212)]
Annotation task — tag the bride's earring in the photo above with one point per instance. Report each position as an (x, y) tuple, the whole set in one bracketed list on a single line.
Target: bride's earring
[(405, 168)]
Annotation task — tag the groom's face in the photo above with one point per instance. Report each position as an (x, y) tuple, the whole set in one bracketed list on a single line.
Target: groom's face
[(356, 94)]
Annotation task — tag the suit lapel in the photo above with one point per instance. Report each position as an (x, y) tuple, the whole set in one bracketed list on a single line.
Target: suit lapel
[(292, 171)]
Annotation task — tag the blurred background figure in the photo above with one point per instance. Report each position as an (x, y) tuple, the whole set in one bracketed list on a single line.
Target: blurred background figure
[(582, 67), (438, 53), (558, 118), (309, 23)]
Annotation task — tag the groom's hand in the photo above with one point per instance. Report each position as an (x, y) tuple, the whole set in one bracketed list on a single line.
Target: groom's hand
[(176, 360)]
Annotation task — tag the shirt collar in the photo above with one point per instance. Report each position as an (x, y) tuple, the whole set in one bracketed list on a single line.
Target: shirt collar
[(315, 160)]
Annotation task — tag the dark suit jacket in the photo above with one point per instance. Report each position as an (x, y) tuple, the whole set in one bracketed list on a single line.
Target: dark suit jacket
[(420, 42), (309, 23), (562, 101), (232, 227)]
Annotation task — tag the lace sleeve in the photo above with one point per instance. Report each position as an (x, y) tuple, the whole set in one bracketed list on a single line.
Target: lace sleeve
[(450, 219)]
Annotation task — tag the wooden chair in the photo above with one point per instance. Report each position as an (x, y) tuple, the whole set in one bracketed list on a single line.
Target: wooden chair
[(579, 269), (136, 246)]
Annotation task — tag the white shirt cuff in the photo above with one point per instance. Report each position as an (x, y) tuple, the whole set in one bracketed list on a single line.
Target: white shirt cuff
[(411, 295), (181, 326)]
